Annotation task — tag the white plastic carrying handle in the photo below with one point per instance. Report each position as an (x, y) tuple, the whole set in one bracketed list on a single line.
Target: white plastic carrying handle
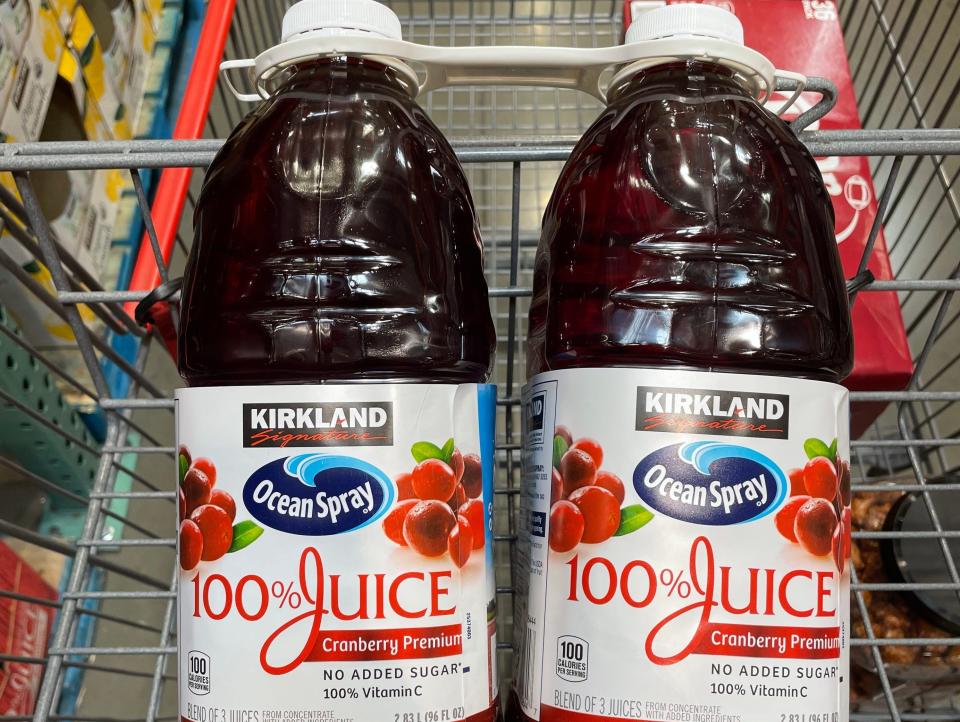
[(511, 65), (596, 71), (229, 65)]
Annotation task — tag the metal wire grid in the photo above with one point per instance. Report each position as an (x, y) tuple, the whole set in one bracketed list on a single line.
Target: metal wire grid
[(511, 181), (903, 57)]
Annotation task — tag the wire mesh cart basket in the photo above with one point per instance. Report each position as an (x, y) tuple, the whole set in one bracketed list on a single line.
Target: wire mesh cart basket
[(110, 643)]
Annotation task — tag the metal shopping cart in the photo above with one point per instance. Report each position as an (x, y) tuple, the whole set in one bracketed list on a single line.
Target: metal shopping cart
[(110, 654)]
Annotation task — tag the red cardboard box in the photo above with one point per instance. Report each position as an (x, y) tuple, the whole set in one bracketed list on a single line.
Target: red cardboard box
[(805, 36), (24, 632)]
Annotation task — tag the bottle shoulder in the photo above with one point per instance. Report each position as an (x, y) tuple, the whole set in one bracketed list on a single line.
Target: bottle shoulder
[(335, 238), (691, 231), (297, 133), (725, 155)]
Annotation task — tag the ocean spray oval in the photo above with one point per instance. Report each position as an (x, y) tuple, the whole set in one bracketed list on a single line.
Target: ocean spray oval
[(317, 494), (712, 483)]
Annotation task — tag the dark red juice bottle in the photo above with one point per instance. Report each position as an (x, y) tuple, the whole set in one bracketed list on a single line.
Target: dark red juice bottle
[(336, 239), (685, 436), (336, 438), (690, 227)]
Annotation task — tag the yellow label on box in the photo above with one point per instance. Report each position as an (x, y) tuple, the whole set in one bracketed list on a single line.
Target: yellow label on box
[(51, 40), (155, 8), (105, 116), (87, 46)]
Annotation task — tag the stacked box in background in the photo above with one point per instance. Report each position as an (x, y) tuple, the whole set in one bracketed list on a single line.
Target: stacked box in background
[(806, 37), (126, 34), (105, 118), (75, 70), (14, 20), (42, 44), (24, 632), (59, 81), (32, 25)]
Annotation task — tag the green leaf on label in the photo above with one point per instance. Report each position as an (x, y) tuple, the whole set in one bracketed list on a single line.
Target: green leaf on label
[(815, 448), (632, 518), (183, 465), (447, 451), (244, 534), (833, 450), (559, 449), (424, 450)]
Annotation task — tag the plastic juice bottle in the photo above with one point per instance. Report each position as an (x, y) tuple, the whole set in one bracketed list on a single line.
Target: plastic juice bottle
[(687, 487), (336, 438)]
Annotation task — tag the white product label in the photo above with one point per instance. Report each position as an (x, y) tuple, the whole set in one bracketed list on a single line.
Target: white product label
[(336, 556), (683, 548)]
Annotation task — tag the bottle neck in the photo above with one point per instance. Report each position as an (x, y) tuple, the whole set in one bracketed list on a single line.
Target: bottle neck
[(693, 77), (353, 71)]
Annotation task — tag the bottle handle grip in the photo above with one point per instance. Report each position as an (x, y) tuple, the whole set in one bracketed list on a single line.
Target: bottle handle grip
[(516, 65), (227, 66), (424, 67), (591, 70)]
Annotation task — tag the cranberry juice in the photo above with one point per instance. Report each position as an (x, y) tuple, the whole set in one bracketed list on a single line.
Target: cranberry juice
[(690, 228), (336, 438), (336, 240), (685, 439)]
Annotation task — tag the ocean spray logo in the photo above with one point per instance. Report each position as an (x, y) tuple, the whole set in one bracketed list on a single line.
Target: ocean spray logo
[(707, 482), (706, 411), (318, 424), (317, 494)]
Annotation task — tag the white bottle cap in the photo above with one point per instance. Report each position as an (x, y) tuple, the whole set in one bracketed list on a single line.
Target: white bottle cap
[(340, 17), (686, 20)]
